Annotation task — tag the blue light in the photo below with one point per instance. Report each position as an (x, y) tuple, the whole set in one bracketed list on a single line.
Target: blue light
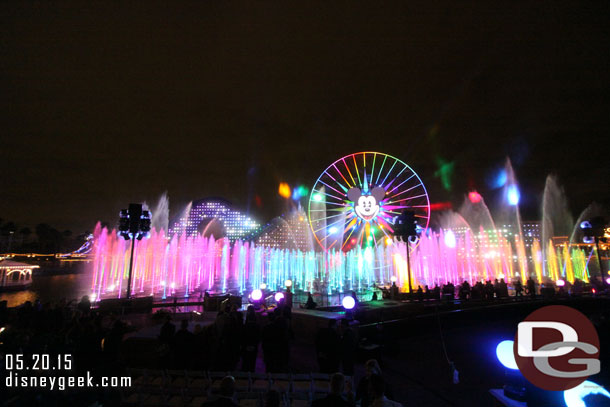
[(332, 230), (513, 195), (498, 178), (574, 397), (506, 356), (585, 224)]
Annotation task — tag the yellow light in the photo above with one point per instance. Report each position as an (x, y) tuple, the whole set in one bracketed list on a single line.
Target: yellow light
[(388, 241), (284, 190)]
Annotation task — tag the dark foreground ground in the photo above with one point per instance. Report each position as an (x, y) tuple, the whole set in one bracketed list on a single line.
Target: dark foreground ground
[(414, 351)]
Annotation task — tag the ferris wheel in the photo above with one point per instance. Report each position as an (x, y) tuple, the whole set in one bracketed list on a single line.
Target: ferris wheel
[(355, 200)]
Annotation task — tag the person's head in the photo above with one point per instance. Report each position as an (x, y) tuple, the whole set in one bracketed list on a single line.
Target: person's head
[(227, 386), (272, 399), (332, 323), (337, 382), (251, 314), (372, 367), (184, 324), (376, 386)]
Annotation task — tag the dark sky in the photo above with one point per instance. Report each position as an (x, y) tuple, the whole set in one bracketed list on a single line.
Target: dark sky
[(104, 103)]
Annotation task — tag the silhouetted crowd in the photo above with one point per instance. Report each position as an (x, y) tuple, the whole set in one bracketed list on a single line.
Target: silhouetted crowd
[(499, 289), (230, 342)]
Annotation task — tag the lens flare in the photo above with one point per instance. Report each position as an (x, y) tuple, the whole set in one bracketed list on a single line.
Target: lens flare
[(278, 297)]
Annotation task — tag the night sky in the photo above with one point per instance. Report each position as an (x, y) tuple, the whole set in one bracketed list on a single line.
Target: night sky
[(103, 104)]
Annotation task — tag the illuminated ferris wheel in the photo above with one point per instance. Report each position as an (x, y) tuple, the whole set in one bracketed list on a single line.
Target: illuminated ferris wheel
[(356, 199)]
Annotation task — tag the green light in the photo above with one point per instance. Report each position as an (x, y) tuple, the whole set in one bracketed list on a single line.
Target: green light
[(317, 197)]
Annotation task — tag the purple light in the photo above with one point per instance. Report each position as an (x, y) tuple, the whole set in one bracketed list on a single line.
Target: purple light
[(349, 302), (608, 280), (278, 297), (256, 295), (560, 283)]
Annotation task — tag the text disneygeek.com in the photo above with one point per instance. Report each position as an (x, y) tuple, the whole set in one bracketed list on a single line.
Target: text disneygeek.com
[(27, 371)]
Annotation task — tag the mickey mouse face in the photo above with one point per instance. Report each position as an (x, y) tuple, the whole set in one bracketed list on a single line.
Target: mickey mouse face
[(366, 206)]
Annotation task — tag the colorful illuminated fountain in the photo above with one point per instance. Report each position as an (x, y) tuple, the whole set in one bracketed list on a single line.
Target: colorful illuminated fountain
[(351, 211)]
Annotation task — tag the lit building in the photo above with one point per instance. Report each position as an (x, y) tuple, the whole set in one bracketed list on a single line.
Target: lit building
[(531, 231), (291, 231), (214, 216)]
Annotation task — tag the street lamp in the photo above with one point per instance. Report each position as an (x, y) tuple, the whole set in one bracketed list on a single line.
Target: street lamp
[(405, 227), (134, 223)]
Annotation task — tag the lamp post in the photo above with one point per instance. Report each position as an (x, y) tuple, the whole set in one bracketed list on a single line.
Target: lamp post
[(595, 231), (405, 227), (134, 223)]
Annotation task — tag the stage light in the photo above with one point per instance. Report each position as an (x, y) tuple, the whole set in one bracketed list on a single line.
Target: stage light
[(388, 241), (256, 295), (513, 195), (163, 283), (348, 302), (317, 197), (560, 283), (284, 190), (506, 356), (575, 397), (262, 286), (608, 280), (474, 197), (288, 283), (332, 230), (450, 239), (92, 297), (111, 287), (393, 279), (278, 296)]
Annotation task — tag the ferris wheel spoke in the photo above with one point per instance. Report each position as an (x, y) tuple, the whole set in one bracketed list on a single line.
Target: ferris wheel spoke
[(328, 217), (385, 157), (389, 172), (327, 194), (334, 189), (336, 182), (386, 225), (342, 176), (373, 166), (357, 172), (406, 190), (399, 185), (396, 178), (328, 210), (348, 171), (327, 226)]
